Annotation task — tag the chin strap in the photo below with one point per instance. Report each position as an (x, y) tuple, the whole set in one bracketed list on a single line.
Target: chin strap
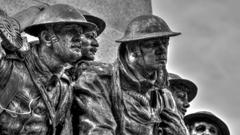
[(53, 38)]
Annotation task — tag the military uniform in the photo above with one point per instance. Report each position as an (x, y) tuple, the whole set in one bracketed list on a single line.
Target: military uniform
[(104, 105), (25, 111), (33, 99), (111, 100)]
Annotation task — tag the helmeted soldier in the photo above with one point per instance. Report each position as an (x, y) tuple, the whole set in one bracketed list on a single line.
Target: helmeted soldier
[(35, 92), (126, 98), (92, 35), (183, 91), (205, 123), (89, 48)]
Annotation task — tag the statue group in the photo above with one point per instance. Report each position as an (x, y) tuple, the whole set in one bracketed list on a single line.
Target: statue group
[(53, 86)]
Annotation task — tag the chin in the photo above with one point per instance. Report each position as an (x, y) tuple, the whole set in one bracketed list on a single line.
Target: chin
[(74, 58), (159, 66), (87, 58)]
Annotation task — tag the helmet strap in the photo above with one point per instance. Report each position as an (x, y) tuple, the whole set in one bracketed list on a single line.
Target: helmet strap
[(52, 36)]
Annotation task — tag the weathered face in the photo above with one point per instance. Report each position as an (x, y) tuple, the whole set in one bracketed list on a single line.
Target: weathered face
[(154, 53), (89, 45), (181, 99), (203, 128), (69, 47)]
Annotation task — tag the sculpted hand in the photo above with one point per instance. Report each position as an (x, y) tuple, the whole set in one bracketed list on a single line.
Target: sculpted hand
[(173, 123), (9, 33)]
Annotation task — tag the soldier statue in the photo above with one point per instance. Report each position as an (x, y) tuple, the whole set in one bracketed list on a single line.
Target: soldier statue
[(128, 96), (36, 93), (183, 91), (205, 123)]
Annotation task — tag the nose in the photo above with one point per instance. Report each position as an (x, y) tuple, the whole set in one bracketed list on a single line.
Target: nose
[(206, 132), (186, 104), (94, 43)]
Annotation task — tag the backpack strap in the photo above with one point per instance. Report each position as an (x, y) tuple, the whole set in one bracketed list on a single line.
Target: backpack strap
[(117, 99), (45, 97), (10, 90)]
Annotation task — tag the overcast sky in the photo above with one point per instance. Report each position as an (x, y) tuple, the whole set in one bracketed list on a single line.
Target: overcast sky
[(207, 52)]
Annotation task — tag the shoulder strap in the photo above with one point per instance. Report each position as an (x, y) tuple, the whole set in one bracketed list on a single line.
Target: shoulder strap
[(45, 97), (10, 90), (117, 99)]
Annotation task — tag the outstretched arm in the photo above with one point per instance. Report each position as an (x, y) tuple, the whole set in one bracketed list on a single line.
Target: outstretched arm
[(10, 41)]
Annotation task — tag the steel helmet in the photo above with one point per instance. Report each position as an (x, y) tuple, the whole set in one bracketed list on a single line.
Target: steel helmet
[(206, 116), (58, 14), (176, 80), (93, 19), (145, 27)]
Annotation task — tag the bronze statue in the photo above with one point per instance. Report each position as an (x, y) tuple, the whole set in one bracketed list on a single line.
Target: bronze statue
[(126, 98), (91, 43), (36, 93), (205, 123), (183, 91)]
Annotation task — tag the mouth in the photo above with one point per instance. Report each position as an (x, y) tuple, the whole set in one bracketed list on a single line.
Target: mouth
[(183, 111), (161, 61), (162, 58), (76, 48), (93, 51)]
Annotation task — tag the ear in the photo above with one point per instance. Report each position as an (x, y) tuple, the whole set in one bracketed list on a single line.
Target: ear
[(45, 37), (131, 56)]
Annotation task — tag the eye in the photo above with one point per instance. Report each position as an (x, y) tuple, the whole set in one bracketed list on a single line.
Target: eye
[(91, 35), (181, 95), (164, 41), (156, 44), (212, 130), (147, 44), (200, 128), (76, 39)]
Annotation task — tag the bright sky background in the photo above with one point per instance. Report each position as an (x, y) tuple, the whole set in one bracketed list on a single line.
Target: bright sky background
[(207, 52)]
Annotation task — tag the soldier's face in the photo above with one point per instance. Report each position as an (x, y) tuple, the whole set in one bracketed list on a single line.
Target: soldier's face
[(69, 48), (181, 100), (154, 53), (203, 128), (89, 45)]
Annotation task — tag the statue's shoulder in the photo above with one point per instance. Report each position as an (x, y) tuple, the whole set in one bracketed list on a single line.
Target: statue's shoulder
[(99, 68), (92, 73), (92, 69)]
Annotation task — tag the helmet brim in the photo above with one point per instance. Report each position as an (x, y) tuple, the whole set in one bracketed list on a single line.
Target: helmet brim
[(192, 88), (35, 29), (99, 22), (208, 117), (147, 36)]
